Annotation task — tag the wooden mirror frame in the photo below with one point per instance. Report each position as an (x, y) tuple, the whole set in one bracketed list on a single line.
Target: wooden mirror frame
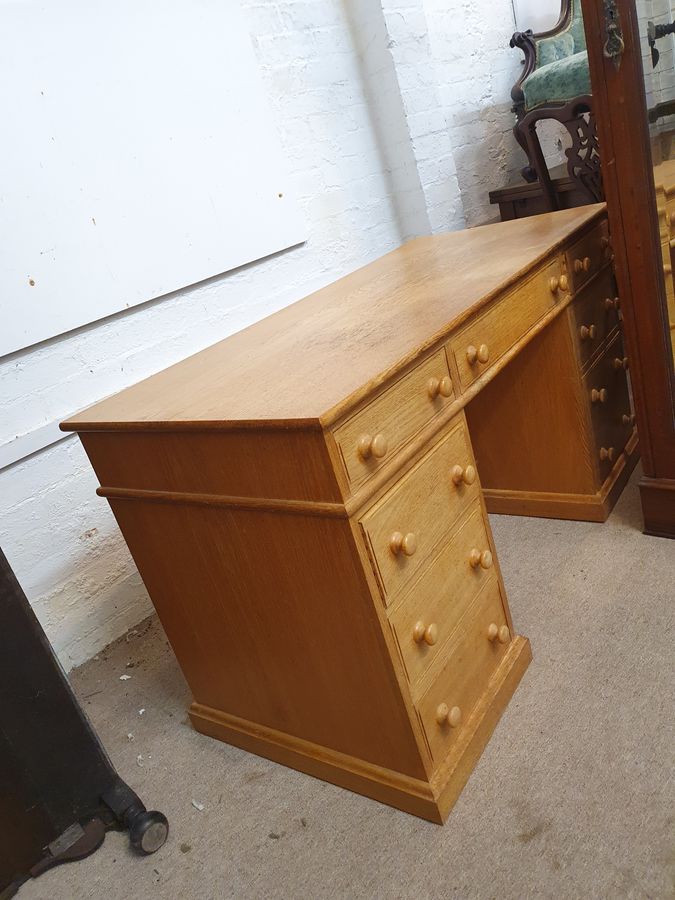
[(621, 113)]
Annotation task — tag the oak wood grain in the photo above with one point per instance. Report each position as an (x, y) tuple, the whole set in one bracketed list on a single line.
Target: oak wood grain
[(493, 332), (315, 359), (441, 596), (425, 503)]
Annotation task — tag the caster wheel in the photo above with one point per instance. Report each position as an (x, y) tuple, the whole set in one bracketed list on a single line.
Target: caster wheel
[(148, 831)]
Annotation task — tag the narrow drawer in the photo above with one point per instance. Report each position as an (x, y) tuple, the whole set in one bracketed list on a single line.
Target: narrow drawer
[(589, 254), (475, 653), (374, 434), (606, 386), (481, 343), (425, 620), (403, 528), (595, 314)]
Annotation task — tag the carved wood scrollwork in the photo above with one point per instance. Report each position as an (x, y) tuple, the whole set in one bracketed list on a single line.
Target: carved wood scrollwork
[(583, 157)]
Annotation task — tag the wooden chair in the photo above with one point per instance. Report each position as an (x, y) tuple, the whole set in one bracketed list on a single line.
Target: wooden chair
[(555, 84)]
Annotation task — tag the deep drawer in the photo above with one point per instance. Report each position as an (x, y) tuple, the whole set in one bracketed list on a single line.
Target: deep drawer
[(474, 656), (403, 528), (427, 617)]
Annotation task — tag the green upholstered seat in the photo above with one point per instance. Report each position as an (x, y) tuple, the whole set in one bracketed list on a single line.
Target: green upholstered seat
[(561, 80), (561, 71)]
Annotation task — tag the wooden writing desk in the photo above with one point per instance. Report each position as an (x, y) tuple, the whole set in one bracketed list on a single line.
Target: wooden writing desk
[(303, 504)]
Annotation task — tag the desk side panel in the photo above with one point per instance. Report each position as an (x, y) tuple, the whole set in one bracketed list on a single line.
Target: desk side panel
[(273, 621)]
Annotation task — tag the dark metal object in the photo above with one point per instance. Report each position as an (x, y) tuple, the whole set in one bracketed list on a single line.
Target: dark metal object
[(654, 34), (59, 792), (614, 44)]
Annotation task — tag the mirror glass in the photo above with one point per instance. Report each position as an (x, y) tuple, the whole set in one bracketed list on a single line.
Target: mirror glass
[(657, 30)]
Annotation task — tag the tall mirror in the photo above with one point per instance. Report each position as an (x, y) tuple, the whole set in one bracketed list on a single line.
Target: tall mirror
[(657, 30)]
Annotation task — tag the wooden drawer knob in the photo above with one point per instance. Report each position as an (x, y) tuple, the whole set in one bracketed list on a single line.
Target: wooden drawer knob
[(447, 716), (554, 284), (426, 633), (403, 543), (484, 559), (473, 355), (582, 265), (612, 303), (463, 476), (607, 453), (620, 363), (502, 634), (442, 386), (376, 446), (587, 332), (671, 217), (628, 419), (599, 396), (564, 283)]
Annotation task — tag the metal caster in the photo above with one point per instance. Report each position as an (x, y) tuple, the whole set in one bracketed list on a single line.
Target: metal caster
[(148, 831)]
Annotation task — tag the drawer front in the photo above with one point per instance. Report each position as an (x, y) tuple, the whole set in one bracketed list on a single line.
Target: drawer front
[(428, 615), (589, 255), (474, 656), (416, 515), (595, 314), (372, 436), (481, 343), (606, 386)]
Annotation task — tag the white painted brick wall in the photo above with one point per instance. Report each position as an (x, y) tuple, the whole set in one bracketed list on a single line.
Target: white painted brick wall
[(386, 137)]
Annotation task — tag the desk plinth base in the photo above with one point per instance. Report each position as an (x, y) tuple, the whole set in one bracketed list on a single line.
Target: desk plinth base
[(578, 507), (431, 800)]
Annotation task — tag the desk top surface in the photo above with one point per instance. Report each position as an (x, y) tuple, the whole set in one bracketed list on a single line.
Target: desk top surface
[(302, 364)]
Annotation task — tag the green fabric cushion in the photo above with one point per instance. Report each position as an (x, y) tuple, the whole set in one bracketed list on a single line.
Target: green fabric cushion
[(577, 27), (554, 48), (563, 79)]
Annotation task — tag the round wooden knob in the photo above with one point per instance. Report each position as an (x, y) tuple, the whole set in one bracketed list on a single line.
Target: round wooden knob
[(599, 396), (587, 332), (372, 446), (480, 354), (426, 633), (463, 476), (564, 283), (587, 264), (439, 386), (609, 303), (607, 453), (478, 558), (628, 419), (617, 303), (554, 284), (403, 543), (620, 363), (671, 217), (495, 633), (447, 716)]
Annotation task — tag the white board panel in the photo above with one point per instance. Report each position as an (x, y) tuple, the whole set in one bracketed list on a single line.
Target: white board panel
[(138, 156)]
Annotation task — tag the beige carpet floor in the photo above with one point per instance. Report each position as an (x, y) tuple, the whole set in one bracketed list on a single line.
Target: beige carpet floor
[(573, 798)]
